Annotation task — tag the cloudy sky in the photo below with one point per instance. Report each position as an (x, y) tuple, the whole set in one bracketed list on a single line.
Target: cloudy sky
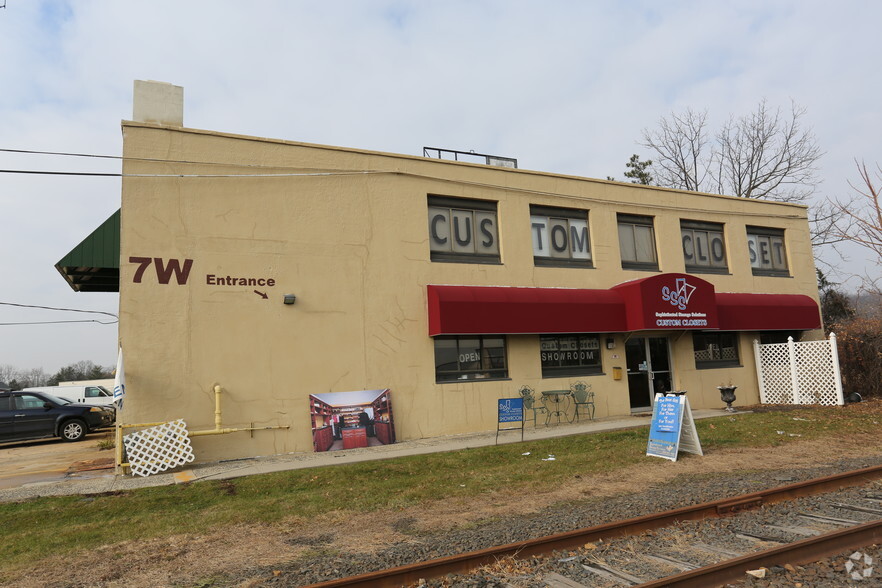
[(563, 86)]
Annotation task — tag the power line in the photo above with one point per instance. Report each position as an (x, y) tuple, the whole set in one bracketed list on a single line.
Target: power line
[(61, 309), (34, 152), (121, 175), (302, 171), (57, 173), (489, 186), (60, 322), (152, 159)]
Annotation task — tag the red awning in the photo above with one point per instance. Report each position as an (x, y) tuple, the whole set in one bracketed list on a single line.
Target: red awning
[(767, 312), (641, 305), (473, 310)]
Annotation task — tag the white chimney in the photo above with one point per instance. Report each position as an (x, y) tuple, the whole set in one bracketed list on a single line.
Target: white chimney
[(158, 102)]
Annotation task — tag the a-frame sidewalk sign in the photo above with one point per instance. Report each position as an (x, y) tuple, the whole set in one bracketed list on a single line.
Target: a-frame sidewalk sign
[(672, 429)]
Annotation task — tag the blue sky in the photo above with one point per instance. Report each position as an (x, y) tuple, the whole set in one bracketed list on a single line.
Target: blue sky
[(563, 86)]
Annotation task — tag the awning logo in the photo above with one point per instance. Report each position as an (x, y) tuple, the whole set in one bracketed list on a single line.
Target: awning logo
[(681, 295)]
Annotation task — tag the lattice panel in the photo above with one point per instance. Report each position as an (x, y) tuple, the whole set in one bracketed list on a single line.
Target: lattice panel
[(159, 448), (814, 369), (717, 353), (816, 377), (775, 366)]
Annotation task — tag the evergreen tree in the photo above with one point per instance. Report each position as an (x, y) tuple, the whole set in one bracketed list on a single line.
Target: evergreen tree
[(638, 171)]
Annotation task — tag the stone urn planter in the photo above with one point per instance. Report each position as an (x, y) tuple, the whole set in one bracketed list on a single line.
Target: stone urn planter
[(727, 395)]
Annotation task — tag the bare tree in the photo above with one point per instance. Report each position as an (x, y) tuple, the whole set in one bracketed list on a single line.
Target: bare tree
[(764, 154), (8, 373), (81, 370), (823, 217), (860, 220), (682, 155), (33, 378)]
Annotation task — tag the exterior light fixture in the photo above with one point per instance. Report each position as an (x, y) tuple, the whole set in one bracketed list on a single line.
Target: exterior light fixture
[(290, 299), (610, 343)]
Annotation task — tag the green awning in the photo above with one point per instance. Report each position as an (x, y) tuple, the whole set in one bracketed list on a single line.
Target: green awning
[(93, 265)]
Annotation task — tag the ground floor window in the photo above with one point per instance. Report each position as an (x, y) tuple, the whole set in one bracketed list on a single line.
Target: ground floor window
[(470, 357), (570, 355), (714, 349)]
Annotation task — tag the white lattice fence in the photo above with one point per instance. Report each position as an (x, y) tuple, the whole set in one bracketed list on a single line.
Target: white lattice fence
[(773, 369), (159, 448), (799, 373)]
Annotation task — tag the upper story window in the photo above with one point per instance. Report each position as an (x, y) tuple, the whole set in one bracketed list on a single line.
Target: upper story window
[(637, 242), (765, 246), (560, 236), (463, 230), (704, 247)]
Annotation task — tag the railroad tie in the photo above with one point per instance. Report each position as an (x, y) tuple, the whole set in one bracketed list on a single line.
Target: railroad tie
[(857, 508), (829, 520), (683, 566), (557, 581), (717, 550), (613, 574), (795, 530), (760, 538)]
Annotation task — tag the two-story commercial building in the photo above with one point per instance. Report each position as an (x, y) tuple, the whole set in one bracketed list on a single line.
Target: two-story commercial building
[(281, 270)]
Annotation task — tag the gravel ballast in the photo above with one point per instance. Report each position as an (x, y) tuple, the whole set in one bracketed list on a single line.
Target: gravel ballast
[(590, 512)]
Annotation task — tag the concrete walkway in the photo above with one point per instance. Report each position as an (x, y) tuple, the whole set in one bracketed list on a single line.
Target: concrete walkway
[(92, 484)]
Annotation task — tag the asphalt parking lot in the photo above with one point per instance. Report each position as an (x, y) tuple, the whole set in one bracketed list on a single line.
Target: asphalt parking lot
[(50, 460)]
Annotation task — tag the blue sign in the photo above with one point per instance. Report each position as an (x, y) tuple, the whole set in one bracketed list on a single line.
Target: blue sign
[(511, 410), (664, 432), (668, 414)]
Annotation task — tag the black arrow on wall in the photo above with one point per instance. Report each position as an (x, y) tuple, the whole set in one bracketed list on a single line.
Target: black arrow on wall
[(262, 295)]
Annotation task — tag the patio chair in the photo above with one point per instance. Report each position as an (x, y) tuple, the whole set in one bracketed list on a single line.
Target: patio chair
[(583, 396), (529, 397)]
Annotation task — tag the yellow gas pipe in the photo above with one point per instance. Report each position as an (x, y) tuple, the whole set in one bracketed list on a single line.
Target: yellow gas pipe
[(218, 430), (217, 421)]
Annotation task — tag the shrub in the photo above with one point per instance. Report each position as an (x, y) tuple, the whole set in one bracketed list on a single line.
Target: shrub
[(860, 356)]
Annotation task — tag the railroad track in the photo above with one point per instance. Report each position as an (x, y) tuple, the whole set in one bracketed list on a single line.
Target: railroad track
[(702, 545)]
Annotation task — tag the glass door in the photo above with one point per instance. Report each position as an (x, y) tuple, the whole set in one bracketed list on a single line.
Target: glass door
[(649, 370), (659, 365), (638, 367)]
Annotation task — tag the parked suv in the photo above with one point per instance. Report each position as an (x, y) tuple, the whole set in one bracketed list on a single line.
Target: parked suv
[(34, 415)]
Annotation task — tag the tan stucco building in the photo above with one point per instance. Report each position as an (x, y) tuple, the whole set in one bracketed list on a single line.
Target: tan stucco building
[(449, 284)]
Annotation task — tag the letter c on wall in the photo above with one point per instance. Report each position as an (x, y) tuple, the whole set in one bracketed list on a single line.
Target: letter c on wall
[(435, 236)]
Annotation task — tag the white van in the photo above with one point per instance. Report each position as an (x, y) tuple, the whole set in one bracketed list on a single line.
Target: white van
[(93, 395)]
